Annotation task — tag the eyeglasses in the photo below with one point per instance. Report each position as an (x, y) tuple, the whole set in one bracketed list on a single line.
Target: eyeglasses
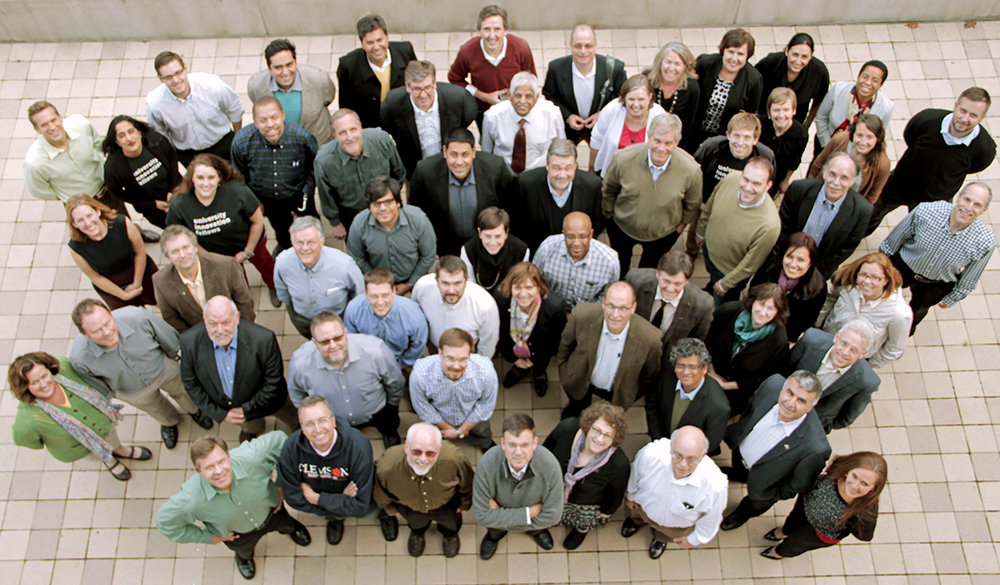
[(451, 361), (172, 76), (311, 424), (615, 309), (419, 453), (382, 204), (691, 461), (854, 350), (599, 435), (326, 342), (570, 238), (689, 368), (870, 277), (419, 90)]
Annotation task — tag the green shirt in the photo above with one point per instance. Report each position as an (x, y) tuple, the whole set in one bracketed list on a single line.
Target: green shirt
[(341, 179), (407, 250), (34, 429), (250, 499)]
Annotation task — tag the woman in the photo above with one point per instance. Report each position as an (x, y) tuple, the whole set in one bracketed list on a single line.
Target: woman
[(595, 471), (728, 84), (865, 139), (214, 203), (59, 412), (869, 289), (530, 336), (623, 122), (675, 84), (748, 342), (109, 250), (843, 501), (141, 167), (784, 135), (847, 99), (491, 255), (792, 266), (798, 69)]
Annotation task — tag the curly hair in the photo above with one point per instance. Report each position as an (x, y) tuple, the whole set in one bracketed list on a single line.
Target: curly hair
[(226, 171), (613, 415), (17, 374)]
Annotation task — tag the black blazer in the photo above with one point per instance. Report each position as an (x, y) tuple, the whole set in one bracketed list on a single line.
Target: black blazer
[(793, 464), (456, 109), (606, 486), (259, 386), (845, 231), (429, 191), (532, 220), (844, 401), (544, 340), (360, 89), (744, 95), (694, 314), (709, 411), (558, 87)]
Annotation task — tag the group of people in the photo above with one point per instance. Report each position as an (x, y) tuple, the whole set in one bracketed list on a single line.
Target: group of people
[(496, 247)]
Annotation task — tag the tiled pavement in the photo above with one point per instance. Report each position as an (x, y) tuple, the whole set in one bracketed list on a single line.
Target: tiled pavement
[(933, 417)]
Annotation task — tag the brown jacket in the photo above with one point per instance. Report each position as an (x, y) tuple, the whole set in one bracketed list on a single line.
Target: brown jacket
[(577, 355), (221, 275)]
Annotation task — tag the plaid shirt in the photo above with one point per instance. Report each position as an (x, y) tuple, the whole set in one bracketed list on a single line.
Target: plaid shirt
[(276, 171), (926, 243), (436, 398), (577, 282)]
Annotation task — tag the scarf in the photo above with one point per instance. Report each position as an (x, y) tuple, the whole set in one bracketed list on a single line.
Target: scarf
[(521, 325), (746, 334), (854, 108), (76, 429), (787, 284), (489, 270), (570, 478)]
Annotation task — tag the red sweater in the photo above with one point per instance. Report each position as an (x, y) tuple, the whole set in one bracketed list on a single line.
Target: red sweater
[(471, 63)]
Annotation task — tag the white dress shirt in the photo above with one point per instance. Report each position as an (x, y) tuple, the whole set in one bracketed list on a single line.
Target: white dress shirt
[(697, 500), (768, 431), (428, 127), (385, 65), (583, 88), (201, 119), (501, 123), (476, 313), (952, 140), (609, 357)]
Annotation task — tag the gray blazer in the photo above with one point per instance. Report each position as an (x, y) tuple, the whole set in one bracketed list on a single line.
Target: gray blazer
[(694, 314), (318, 92)]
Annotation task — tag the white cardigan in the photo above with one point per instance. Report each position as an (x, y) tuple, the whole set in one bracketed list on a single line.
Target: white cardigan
[(833, 110), (608, 132)]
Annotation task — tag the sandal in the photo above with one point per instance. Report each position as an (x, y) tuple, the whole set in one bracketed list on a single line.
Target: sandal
[(773, 536), (768, 553), (122, 475), (144, 454)]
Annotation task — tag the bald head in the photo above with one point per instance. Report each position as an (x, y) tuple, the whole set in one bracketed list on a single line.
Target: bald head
[(577, 220), (618, 306), (578, 231), (221, 318), (690, 438), (688, 446)]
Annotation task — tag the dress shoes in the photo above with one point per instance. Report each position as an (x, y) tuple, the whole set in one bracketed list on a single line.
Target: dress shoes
[(390, 528), (629, 527), (732, 522), (390, 440), (544, 539), (656, 549), (169, 435), (275, 301), (149, 236), (245, 436), (541, 386), (451, 545), (203, 420), (301, 535), (415, 545), (513, 375), (334, 531), (247, 568), (488, 548), (574, 538)]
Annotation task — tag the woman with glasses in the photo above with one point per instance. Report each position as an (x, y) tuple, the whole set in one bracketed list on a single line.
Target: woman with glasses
[(595, 470), (869, 289)]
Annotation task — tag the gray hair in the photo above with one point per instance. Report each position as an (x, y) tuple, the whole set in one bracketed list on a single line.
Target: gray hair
[(703, 435), (663, 124), (560, 147), (171, 232), (989, 192), (526, 78), (313, 400), (435, 432), (344, 112), (808, 382), (839, 154), (220, 299), (305, 222), (690, 346), (863, 328)]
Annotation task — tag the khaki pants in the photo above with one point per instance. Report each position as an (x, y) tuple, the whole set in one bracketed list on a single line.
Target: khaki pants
[(661, 533), (151, 401), (112, 440)]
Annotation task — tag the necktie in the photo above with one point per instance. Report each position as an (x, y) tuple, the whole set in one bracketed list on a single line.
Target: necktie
[(520, 148), (658, 316)]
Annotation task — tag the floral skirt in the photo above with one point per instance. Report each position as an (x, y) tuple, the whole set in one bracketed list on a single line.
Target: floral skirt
[(582, 517)]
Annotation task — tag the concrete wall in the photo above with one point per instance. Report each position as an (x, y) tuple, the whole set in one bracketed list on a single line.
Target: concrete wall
[(104, 20)]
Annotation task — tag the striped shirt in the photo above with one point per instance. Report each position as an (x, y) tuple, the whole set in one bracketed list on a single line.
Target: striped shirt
[(276, 171), (609, 357), (924, 241), (577, 282), (437, 398)]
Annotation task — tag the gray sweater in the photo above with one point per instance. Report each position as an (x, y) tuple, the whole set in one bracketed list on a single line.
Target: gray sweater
[(542, 483)]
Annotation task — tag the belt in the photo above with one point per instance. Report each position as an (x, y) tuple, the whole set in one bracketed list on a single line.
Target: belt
[(925, 280)]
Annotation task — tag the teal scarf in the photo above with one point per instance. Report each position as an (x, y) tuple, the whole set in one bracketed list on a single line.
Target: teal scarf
[(746, 334)]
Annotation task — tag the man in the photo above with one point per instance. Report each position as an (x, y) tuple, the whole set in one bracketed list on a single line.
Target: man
[(484, 66), (651, 192), (668, 299), (356, 374), (582, 84), (194, 277), (396, 320), (521, 128), (780, 448), (367, 74), (721, 155), (841, 368), (393, 236), (312, 278), (232, 370), (678, 491), (345, 166), (829, 210), (732, 256), (327, 469), (942, 148), (941, 249), (454, 186), (578, 267), (305, 92), (233, 496), (419, 115), (197, 112), (449, 300), (456, 390), (607, 351), (276, 161), (518, 486), (66, 157), (548, 195), (131, 354), (404, 485), (685, 395)]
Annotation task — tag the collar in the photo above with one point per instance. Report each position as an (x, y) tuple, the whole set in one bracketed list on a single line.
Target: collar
[(498, 58), (828, 362), (822, 197), (952, 140), (352, 356), (346, 158), (518, 475), (552, 190), (388, 61), (649, 160), (591, 75), (773, 418), (296, 85), (760, 202), (318, 267), (197, 275), (210, 492), (232, 344), (52, 151), (689, 395), (616, 337), (124, 330), (565, 252), (470, 179), (431, 112), (659, 297)]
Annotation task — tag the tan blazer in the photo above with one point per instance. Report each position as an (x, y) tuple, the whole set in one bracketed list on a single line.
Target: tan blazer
[(318, 92), (640, 360), (221, 275)]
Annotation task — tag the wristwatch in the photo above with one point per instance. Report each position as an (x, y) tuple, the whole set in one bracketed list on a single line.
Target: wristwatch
[(461, 436)]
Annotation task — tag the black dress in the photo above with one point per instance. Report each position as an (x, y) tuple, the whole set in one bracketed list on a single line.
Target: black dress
[(683, 103), (810, 86), (114, 259)]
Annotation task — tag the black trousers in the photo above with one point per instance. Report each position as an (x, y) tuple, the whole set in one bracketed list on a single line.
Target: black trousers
[(221, 148), (449, 521), (890, 199), (651, 251), (279, 521), (748, 507), (800, 535), (496, 534), (347, 216), (714, 276), (385, 420), (281, 213), (924, 293), (575, 407)]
